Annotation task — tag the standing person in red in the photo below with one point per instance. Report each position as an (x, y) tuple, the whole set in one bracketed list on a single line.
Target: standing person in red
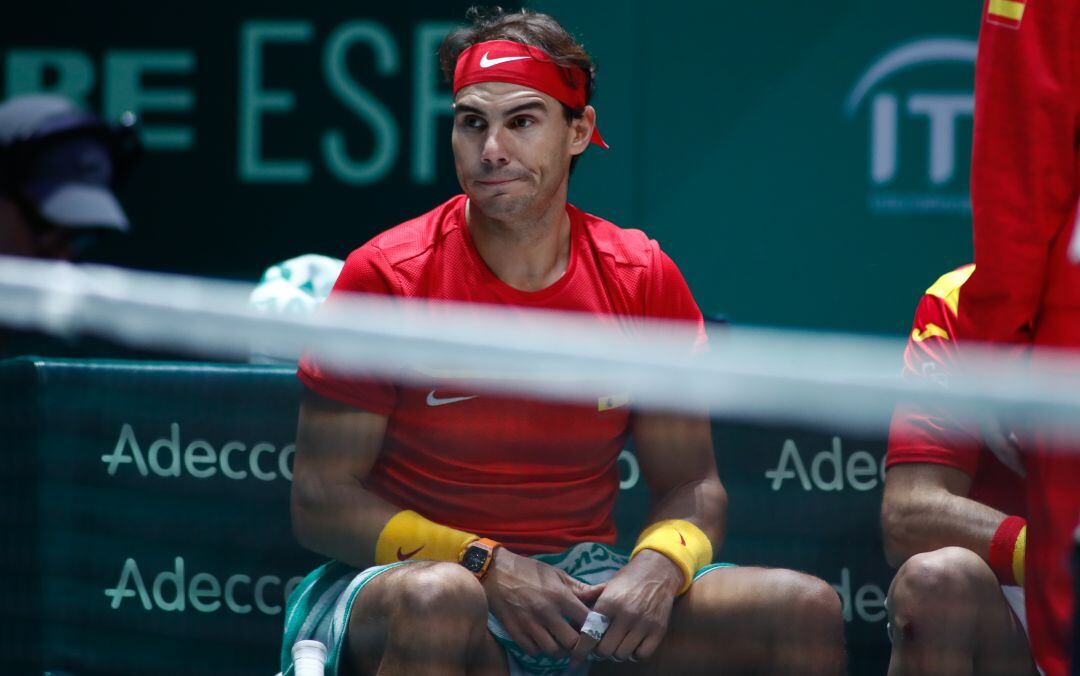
[(472, 533), (1025, 291), (953, 520)]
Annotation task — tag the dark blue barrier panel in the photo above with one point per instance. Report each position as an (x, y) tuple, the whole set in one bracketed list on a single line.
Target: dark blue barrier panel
[(158, 500), (805, 500), (811, 501), (19, 524), (145, 516)]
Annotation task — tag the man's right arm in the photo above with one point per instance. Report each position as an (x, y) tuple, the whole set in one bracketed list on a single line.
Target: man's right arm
[(933, 453), (926, 508), (332, 512)]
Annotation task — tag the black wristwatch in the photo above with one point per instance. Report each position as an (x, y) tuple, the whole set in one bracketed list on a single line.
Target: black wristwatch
[(478, 556)]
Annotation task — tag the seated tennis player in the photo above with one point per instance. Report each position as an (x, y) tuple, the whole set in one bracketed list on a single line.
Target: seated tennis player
[(472, 533), (953, 518)]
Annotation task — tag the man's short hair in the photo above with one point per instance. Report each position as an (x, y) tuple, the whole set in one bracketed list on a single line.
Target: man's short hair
[(529, 28)]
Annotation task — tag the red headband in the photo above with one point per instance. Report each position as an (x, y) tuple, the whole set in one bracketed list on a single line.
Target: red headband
[(513, 62)]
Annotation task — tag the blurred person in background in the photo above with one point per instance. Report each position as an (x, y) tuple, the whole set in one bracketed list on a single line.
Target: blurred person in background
[(59, 167), (953, 519)]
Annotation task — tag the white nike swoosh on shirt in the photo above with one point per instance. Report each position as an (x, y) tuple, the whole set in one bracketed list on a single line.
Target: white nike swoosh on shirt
[(485, 62), (432, 400)]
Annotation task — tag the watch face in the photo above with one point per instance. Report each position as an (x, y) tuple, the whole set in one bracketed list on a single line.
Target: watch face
[(474, 559)]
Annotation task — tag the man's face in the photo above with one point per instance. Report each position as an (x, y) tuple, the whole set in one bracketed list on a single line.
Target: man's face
[(512, 147), (16, 236), (19, 237)]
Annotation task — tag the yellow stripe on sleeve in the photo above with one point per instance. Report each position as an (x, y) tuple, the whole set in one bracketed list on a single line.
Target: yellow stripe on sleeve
[(1007, 9), (947, 287), (930, 331)]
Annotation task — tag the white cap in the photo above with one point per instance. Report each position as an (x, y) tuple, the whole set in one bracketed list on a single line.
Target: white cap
[(309, 658)]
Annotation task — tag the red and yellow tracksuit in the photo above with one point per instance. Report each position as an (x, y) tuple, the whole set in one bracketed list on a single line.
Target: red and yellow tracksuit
[(1025, 291)]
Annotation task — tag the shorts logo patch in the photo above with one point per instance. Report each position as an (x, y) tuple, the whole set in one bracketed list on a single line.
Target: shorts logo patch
[(1007, 13)]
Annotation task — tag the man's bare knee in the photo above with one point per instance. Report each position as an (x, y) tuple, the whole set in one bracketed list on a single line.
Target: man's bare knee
[(437, 598), (440, 592), (811, 599), (944, 585), (807, 633), (426, 613), (944, 576), (810, 602)]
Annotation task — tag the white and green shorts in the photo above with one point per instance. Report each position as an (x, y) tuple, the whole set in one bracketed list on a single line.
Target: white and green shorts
[(320, 606)]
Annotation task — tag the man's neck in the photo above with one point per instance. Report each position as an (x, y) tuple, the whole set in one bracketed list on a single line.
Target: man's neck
[(529, 253)]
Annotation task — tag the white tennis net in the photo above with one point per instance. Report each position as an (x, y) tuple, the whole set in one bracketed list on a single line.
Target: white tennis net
[(842, 381)]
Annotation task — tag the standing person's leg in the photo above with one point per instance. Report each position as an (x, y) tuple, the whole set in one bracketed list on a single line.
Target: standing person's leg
[(1053, 474), (947, 615), (1054, 509)]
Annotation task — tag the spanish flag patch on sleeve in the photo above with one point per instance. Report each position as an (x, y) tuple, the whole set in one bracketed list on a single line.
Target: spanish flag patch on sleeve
[(1006, 13)]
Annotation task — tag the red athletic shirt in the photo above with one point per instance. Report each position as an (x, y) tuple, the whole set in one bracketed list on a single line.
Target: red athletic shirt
[(918, 434), (536, 476)]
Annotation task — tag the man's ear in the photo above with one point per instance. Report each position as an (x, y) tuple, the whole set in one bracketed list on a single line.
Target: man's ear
[(581, 130)]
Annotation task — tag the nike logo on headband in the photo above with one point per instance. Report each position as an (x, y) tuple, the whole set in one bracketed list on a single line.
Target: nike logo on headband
[(485, 62)]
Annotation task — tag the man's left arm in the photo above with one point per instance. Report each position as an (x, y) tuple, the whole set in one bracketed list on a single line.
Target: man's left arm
[(677, 462)]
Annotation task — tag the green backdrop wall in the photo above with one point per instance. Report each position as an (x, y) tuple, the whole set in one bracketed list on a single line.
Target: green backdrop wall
[(806, 164), (271, 128), (743, 139)]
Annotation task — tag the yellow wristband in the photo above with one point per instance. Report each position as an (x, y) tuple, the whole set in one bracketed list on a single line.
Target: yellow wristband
[(1019, 550), (407, 535), (682, 542)]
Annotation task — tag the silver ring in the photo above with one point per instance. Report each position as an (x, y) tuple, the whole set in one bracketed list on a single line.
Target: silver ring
[(615, 659), (595, 625), (592, 633), (632, 658)]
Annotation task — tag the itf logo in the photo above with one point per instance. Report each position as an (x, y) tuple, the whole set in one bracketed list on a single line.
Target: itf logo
[(917, 120)]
